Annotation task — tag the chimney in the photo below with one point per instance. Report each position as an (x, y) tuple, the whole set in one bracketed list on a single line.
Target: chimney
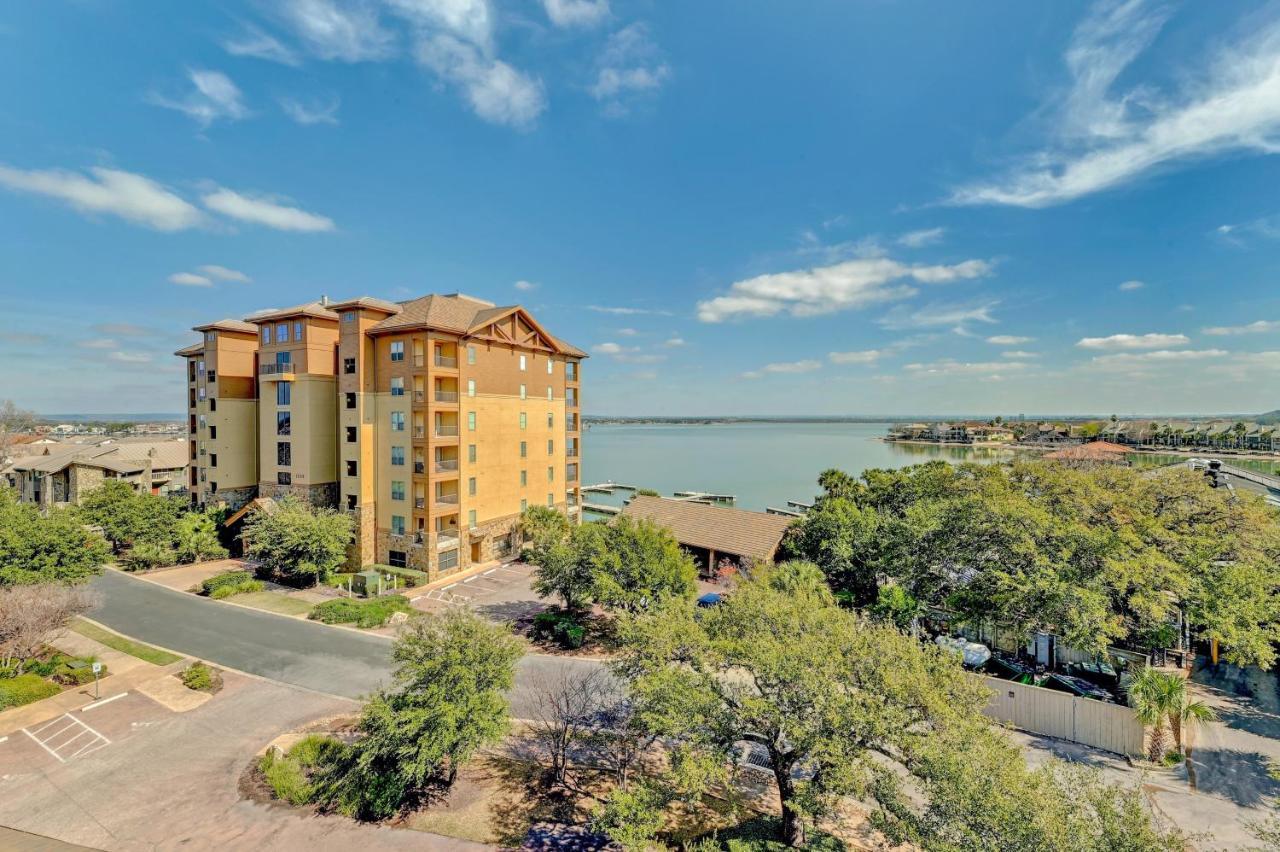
[(324, 300)]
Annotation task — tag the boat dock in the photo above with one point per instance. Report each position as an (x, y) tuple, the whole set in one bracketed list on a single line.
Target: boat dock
[(602, 508)]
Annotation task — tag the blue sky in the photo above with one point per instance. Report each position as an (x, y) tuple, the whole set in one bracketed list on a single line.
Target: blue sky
[(827, 207)]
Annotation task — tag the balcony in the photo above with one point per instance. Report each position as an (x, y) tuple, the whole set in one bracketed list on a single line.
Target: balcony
[(280, 372), (447, 361), (571, 452), (446, 431), (419, 467), (419, 397), (446, 465), (571, 424), (571, 401), (447, 499), (446, 396), (419, 431), (419, 502), (446, 539)]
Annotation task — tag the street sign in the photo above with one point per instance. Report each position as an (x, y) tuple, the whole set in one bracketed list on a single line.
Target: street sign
[(97, 668)]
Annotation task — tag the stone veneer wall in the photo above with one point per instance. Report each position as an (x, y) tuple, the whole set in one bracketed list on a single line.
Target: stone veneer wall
[(364, 549), (425, 557), (234, 498), (324, 494)]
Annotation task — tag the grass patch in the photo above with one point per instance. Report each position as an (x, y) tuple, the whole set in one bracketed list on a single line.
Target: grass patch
[(24, 689), (274, 602), (231, 583), (124, 645), (367, 613), (291, 775)]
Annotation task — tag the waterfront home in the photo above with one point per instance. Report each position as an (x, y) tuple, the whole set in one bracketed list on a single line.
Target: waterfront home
[(1092, 454), (713, 534)]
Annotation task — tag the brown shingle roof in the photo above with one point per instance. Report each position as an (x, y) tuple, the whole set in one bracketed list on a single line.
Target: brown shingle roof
[(738, 531), (1099, 451), (228, 325), (455, 312), (310, 309), (188, 351), (366, 302)]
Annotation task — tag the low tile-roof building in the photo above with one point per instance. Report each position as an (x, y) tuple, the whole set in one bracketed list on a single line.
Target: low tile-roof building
[(1092, 453), (60, 474), (713, 533)]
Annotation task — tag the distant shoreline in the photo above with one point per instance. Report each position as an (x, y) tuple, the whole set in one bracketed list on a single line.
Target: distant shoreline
[(1138, 451)]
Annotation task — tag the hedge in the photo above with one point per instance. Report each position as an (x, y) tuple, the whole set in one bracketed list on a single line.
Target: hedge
[(230, 578), (25, 688), (371, 612), (411, 576)]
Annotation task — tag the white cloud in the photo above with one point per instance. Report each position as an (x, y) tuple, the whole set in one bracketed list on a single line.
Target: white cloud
[(254, 42), (497, 92), (98, 343), (673, 342), (1100, 140), (1008, 339), (936, 315), (625, 311), (190, 279), (783, 367), (222, 273), (628, 332), (525, 286), (1019, 354), (1129, 286), (607, 348), (123, 329), (865, 356), (470, 20), (1134, 341), (264, 211), (214, 96), (347, 32), (629, 68), (843, 286), (627, 354), (132, 197), (576, 13), (919, 239), (1160, 356), (315, 112), (130, 357), (951, 367), (1258, 327)]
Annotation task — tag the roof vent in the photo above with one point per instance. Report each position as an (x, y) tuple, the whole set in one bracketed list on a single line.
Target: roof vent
[(324, 300)]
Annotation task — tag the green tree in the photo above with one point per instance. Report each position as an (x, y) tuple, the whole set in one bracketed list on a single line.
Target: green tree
[(52, 548), (543, 526), (148, 554), (448, 700), (196, 538), (1153, 697), (565, 572), (842, 539), (896, 606), (635, 564), (295, 541), (126, 515)]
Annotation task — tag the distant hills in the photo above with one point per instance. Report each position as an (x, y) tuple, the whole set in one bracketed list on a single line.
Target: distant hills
[(1269, 418)]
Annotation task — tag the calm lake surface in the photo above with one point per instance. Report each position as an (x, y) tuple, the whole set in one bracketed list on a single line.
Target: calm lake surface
[(767, 464)]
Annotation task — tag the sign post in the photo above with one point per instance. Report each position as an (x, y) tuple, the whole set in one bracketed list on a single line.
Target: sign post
[(97, 669)]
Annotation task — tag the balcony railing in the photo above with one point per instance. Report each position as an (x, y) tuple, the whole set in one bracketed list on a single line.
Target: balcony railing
[(275, 369), (419, 431), (419, 502), (419, 467), (571, 401), (446, 396), (446, 465), (571, 424), (571, 452), (446, 361), (447, 499), (417, 360), (446, 431), (446, 539)]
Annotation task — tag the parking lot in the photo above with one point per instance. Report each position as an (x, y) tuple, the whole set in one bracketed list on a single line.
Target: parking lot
[(77, 735), (501, 593)]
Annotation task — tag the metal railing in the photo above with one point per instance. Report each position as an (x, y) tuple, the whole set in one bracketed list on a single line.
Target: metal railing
[(274, 369), (571, 452), (419, 431), (446, 539), (571, 424), (419, 396), (419, 502), (446, 431), (446, 361), (571, 401), (446, 465), (447, 499), (446, 396)]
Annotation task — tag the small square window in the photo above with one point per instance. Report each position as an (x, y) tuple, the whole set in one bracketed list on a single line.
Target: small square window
[(551, 500), (297, 331), (348, 316), (524, 504), (349, 366), (524, 394), (351, 468), (471, 387), (282, 333), (213, 433), (551, 420), (351, 434), (550, 366), (397, 350), (397, 455), (283, 423), (524, 478), (551, 447), (351, 400), (397, 421), (549, 396), (471, 518), (471, 421), (284, 393), (524, 449), (266, 335), (284, 478), (397, 559), (524, 420), (351, 501), (397, 386), (471, 486), (551, 474), (397, 525), (397, 489), (471, 354), (213, 459), (284, 453)]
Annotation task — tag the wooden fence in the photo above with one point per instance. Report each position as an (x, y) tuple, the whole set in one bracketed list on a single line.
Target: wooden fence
[(1087, 721)]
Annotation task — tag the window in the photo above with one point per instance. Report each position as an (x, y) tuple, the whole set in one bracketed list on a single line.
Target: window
[(524, 420), (523, 363), (471, 421), (397, 489), (471, 518), (351, 468), (471, 453), (524, 394), (284, 478), (551, 420), (282, 362), (201, 421), (550, 366), (397, 455), (284, 393), (297, 331), (351, 400), (551, 447), (213, 433), (348, 316), (471, 387), (349, 366), (397, 421), (213, 375), (284, 453), (524, 478), (397, 524), (351, 434), (549, 396), (471, 486), (448, 560), (213, 404), (551, 500), (524, 449), (397, 350), (200, 367), (282, 423), (524, 504), (397, 559), (209, 337), (397, 386), (213, 459), (351, 501), (471, 354), (266, 335), (551, 474), (282, 333)]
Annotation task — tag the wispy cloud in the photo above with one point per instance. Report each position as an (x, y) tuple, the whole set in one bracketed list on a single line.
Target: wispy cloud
[(1258, 327), (129, 196), (260, 45), (951, 367), (130, 357), (525, 286), (496, 91), (313, 112), (213, 96), (1008, 339), (864, 356), (1134, 341), (98, 343), (783, 367), (576, 13), (222, 273), (263, 210), (190, 279), (673, 342), (1019, 354), (919, 239), (624, 311), (1100, 139), (1130, 286), (939, 315), (627, 354), (1160, 356), (122, 329), (822, 290), (629, 68), (347, 32)]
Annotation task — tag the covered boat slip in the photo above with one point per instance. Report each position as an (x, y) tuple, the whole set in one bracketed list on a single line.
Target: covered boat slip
[(714, 533)]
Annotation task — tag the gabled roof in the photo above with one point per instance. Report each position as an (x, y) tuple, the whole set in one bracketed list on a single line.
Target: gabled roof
[(752, 534), (228, 325), (310, 309), (455, 312), (188, 351), (366, 302)]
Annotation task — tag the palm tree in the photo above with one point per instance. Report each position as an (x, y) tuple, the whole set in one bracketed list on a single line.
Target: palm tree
[(1152, 698), (1186, 713)]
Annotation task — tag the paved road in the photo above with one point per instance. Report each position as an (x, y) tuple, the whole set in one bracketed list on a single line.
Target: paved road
[(290, 650)]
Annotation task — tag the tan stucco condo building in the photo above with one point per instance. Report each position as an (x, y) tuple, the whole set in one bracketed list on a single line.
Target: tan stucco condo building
[(434, 421)]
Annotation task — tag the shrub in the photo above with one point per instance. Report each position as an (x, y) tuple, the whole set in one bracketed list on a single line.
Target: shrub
[(410, 577), (231, 578), (23, 689), (66, 675), (560, 626), (146, 555), (241, 588), (198, 676), (373, 612), (291, 775)]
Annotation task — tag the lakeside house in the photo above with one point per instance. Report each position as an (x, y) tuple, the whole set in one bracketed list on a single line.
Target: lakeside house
[(1091, 454), (1214, 434), (959, 432), (714, 533)]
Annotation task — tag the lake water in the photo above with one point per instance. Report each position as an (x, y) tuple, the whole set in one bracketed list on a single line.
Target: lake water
[(766, 464)]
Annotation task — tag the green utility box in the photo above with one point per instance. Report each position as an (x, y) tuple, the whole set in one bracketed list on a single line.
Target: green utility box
[(365, 583)]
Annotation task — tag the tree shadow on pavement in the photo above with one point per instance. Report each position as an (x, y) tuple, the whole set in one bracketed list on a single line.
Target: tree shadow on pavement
[(1235, 774)]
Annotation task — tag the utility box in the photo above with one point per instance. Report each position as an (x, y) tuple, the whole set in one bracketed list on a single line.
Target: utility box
[(365, 583)]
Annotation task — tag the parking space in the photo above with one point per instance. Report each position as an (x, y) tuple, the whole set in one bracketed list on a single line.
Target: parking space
[(501, 592), (67, 737), (77, 735)]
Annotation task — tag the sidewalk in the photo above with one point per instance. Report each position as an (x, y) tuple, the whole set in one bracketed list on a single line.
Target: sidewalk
[(183, 578)]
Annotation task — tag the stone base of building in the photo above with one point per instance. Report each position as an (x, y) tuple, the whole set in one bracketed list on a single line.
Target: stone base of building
[(233, 499), (323, 495), (363, 549)]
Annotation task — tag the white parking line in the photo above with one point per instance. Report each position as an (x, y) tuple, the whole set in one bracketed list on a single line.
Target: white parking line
[(69, 736), (103, 701)]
